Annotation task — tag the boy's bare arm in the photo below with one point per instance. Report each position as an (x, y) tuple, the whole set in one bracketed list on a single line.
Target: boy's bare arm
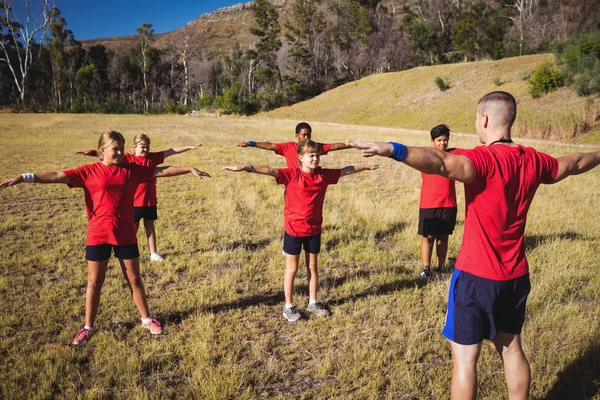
[(353, 169), (260, 145), (259, 169), (424, 159), (168, 171), (179, 150), (43, 177), (575, 164), (91, 153), (338, 146)]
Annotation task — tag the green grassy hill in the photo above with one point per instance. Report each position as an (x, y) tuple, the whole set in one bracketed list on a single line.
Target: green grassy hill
[(410, 99)]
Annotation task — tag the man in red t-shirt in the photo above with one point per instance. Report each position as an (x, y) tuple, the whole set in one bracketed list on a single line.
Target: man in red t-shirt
[(289, 150), (490, 283), (303, 214), (437, 208)]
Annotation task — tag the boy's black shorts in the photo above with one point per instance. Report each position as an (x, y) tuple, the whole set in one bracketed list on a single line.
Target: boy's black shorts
[(148, 213), (437, 221), (293, 244)]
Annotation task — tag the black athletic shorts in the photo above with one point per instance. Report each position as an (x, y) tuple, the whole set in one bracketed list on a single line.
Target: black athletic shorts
[(102, 252), (293, 244), (148, 213), (437, 221)]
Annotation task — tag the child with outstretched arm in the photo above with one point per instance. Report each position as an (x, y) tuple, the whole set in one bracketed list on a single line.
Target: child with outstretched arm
[(303, 214), (437, 208), (289, 150), (109, 186), (145, 201)]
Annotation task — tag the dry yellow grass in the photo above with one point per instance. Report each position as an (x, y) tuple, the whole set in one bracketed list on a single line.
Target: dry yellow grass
[(219, 292)]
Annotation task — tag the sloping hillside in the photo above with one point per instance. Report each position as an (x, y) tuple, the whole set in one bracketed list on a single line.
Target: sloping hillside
[(410, 99)]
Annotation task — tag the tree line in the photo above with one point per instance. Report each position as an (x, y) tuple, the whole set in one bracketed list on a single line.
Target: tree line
[(323, 44)]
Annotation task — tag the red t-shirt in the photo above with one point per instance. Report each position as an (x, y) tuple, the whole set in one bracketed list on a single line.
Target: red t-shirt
[(304, 196), (145, 195), (437, 191), (290, 151), (109, 195), (497, 201)]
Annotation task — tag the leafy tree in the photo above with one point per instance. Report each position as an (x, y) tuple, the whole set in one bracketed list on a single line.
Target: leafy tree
[(263, 66), (480, 33), (579, 60), (304, 36), (59, 37)]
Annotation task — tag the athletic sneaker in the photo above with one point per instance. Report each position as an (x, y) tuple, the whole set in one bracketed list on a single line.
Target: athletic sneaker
[(156, 257), (291, 314), (426, 274), (83, 335), (153, 326), (318, 309)]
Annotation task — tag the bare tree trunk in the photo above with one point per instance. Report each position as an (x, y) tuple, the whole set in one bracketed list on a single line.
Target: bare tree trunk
[(22, 35)]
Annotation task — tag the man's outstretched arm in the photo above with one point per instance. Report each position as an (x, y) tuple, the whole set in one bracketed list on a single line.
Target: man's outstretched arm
[(575, 164), (425, 159), (260, 145)]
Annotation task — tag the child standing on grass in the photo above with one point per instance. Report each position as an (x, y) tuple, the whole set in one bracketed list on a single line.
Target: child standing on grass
[(437, 208), (109, 187), (303, 214), (289, 150), (145, 201)]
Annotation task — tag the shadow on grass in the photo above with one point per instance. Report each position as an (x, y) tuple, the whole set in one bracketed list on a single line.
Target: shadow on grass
[(380, 235), (274, 298), (533, 241), (387, 288), (581, 378)]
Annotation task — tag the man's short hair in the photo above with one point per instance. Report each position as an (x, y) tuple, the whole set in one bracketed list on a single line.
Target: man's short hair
[(303, 125), (440, 130), (501, 106)]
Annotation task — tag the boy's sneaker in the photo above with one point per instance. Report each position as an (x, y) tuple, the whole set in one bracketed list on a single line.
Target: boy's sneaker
[(156, 257), (426, 274), (291, 314), (318, 309), (83, 335), (153, 326)]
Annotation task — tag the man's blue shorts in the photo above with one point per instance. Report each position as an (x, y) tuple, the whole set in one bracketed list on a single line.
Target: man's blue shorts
[(293, 244), (102, 252), (148, 213), (479, 308)]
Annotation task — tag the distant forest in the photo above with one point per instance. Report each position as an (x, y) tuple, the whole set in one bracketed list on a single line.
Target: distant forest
[(320, 45)]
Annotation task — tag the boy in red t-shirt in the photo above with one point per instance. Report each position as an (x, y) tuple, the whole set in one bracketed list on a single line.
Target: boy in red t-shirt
[(109, 187), (145, 201), (289, 150), (303, 214), (437, 208)]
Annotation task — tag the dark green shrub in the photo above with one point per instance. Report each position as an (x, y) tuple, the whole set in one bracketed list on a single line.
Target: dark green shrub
[(442, 83), (545, 79)]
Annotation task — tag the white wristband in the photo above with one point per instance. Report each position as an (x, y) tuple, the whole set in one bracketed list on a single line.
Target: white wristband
[(28, 177)]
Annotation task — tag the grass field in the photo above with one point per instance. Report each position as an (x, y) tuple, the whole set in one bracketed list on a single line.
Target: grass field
[(219, 293)]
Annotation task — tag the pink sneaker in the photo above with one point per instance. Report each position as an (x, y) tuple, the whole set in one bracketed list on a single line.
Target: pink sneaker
[(83, 335), (153, 326)]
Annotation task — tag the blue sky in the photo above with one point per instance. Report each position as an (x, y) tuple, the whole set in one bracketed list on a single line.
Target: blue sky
[(90, 19)]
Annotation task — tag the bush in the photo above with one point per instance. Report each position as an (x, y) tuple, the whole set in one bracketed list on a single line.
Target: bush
[(579, 59), (545, 79), (497, 81), (442, 83)]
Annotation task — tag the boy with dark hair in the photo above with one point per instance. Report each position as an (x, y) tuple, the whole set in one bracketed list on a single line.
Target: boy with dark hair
[(289, 149), (437, 208)]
